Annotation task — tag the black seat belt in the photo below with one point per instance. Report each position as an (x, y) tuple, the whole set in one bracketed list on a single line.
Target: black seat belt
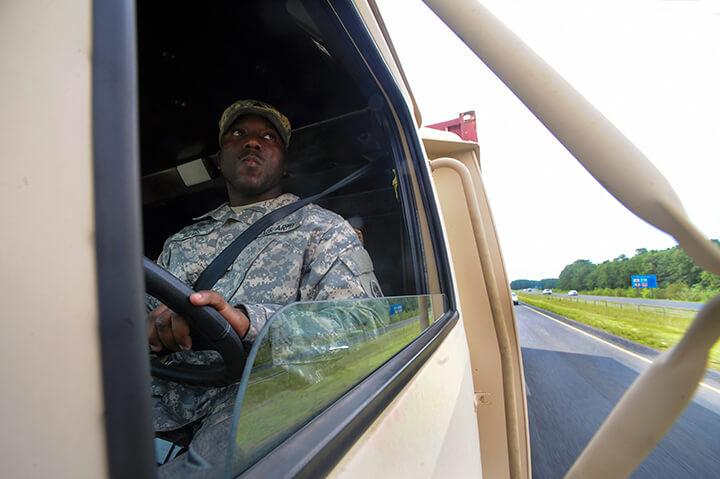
[(222, 262)]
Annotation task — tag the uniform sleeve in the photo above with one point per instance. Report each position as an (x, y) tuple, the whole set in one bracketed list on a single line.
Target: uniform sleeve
[(339, 268)]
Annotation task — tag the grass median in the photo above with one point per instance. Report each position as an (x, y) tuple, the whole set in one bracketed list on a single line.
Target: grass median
[(654, 327)]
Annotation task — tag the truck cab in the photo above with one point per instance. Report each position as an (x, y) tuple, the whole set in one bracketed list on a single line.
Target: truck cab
[(109, 118), (130, 97)]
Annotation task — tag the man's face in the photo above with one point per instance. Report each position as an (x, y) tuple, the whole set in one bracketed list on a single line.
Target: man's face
[(252, 160)]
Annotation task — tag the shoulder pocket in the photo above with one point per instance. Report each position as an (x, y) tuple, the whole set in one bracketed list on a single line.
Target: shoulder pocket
[(358, 261)]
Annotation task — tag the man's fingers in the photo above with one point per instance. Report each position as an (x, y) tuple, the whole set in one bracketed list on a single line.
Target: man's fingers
[(164, 330), (237, 318), (169, 330), (181, 332), (210, 298), (153, 337)]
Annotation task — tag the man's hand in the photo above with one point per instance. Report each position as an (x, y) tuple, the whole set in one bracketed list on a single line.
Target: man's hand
[(170, 330)]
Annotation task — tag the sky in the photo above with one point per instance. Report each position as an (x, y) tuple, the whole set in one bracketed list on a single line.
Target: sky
[(651, 67)]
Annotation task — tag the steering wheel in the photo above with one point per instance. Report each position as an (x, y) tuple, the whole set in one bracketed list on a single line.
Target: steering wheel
[(210, 332)]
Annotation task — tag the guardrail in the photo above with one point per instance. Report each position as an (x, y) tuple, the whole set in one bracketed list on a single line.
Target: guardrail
[(665, 311)]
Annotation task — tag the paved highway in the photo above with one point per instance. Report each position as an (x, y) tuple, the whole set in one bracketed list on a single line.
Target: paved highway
[(573, 381), (660, 303)]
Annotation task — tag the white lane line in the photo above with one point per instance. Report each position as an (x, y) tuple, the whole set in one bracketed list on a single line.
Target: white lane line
[(711, 388)]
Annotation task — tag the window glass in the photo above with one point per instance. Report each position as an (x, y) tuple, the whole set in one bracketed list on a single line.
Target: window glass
[(310, 354)]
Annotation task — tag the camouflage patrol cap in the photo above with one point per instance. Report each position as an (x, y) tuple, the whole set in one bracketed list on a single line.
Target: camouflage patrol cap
[(259, 108)]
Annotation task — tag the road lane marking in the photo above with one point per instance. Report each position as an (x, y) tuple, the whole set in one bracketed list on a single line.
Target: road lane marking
[(642, 358)]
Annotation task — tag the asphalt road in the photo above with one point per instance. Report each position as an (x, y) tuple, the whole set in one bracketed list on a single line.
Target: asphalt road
[(661, 303), (573, 381)]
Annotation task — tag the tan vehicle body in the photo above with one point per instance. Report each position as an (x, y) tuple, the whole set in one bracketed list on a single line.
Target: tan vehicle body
[(462, 414), (53, 390)]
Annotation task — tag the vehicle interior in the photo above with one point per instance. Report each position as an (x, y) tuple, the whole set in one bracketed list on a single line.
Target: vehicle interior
[(194, 60)]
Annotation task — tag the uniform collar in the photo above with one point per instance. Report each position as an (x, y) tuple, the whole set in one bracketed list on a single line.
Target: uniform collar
[(224, 212)]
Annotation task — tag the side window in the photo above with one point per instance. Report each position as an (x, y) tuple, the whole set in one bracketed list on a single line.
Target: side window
[(319, 68), (311, 354)]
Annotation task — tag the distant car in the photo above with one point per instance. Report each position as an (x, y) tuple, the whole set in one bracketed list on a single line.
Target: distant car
[(547, 291), (515, 299), (572, 292)]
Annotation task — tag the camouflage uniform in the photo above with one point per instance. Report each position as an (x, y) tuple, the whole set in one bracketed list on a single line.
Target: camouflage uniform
[(310, 255)]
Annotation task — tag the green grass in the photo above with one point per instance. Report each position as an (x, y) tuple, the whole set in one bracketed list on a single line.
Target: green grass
[(656, 328)]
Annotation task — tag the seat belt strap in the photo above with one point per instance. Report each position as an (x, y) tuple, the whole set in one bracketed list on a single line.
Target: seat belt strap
[(218, 266)]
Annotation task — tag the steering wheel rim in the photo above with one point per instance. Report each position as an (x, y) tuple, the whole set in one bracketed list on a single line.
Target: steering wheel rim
[(210, 332)]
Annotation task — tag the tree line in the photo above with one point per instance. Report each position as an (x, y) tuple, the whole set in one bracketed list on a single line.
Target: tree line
[(677, 275), (547, 283)]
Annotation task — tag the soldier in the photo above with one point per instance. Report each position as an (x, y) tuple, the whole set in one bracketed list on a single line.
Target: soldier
[(310, 255)]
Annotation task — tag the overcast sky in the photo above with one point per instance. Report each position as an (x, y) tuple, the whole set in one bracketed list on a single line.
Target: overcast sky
[(651, 67)]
